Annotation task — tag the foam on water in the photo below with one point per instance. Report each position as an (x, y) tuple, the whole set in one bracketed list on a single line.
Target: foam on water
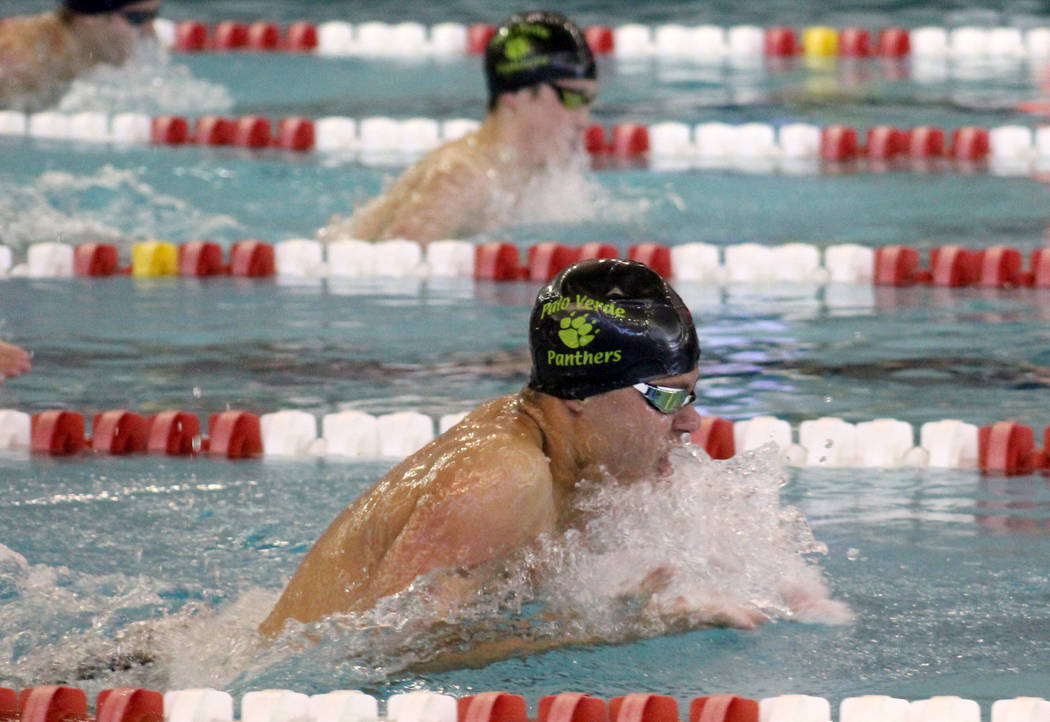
[(111, 205), (147, 83), (710, 545)]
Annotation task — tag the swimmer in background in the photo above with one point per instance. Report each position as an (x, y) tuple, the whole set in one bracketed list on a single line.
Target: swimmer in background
[(14, 361), (541, 79), (615, 362), (40, 55)]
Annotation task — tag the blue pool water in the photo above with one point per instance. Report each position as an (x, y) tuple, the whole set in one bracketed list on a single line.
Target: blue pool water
[(945, 571)]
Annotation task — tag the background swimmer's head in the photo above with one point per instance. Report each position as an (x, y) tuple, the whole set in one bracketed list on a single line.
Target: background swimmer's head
[(536, 47), (606, 324)]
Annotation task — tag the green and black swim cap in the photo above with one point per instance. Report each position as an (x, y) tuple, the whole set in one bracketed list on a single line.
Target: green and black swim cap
[(536, 47), (607, 324), (95, 7)]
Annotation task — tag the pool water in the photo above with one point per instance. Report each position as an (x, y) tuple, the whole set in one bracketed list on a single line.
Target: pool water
[(945, 571)]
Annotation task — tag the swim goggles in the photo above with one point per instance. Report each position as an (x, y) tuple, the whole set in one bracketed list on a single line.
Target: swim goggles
[(665, 399), (139, 17), (572, 98)]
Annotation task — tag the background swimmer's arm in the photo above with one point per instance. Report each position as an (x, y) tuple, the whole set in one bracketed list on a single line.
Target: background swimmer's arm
[(13, 361)]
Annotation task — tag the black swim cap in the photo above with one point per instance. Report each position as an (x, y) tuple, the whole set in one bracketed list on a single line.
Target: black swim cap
[(607, 324), (96, 7), (535, 47)]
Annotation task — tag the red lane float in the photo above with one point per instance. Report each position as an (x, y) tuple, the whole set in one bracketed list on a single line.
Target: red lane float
[(970, 143), (175, 433), (855, 43), (894, 43), (1005, 448), (715, 436), (301, 37), (59, 433), (497, 261), (129, 704), (838, 143), (600, 39), (230, 35), (234, 434), (119, 432), (492, 707), (8, 704), (1001, 267), (201, 258), (252, 259), (781, 42), (654, 255), (572, 707), (295, 133), (896, 266), (953, 266), (95, 259), (213, 130), (478, 36), (598, 250), (642, 707), (884, 142), (629, 140), (723, 708), (1041, 268), (595, 140), (252, 131), (191, 36), (925, 141), (263, 36), (546, 259), (169, 130), (52, 703)]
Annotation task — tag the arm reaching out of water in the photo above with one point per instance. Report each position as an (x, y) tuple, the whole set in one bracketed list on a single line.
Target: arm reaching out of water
[(14, 361)]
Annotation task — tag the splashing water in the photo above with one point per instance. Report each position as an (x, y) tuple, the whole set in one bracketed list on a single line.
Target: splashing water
[(147, 83), (709, 545), (111, 205)]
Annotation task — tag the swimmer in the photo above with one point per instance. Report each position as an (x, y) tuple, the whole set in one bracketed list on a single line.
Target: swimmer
[(614, 364), (40, 55), (14, 361), (541, 79)]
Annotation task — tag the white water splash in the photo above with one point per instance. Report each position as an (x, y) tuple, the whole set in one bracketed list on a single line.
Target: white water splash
[(111, 205), (147, 83), (710, 545)]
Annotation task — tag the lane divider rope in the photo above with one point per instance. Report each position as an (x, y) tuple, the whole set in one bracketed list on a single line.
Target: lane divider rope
[(127, 704), (949, 266), (1003, 447), (693, 43), (754, 147)]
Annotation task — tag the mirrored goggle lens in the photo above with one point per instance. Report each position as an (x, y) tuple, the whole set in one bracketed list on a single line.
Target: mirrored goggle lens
[(139, 17), (573, 99), (666, 399)]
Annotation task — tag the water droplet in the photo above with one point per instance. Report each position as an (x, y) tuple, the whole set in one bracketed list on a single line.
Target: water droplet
[(853, 554), (196, 392)]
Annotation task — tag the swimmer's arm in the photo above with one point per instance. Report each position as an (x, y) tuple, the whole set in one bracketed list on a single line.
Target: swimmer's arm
[(13, 361), (494, 502)]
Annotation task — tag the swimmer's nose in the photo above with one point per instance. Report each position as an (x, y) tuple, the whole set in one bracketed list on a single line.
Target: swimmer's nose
[(686, 421)]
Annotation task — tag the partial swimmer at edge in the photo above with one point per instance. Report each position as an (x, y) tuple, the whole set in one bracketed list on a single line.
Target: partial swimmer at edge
[(40, 55), (541, 78)]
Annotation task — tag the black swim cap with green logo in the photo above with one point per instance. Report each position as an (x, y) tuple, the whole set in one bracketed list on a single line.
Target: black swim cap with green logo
[(536, 47), (608, 324), (96, 7)]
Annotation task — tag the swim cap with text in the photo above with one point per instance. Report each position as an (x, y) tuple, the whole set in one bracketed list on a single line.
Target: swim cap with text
[(536, 47), (96, 7), (606, 324)]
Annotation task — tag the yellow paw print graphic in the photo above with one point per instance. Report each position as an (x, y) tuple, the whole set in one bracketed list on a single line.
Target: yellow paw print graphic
[(575, 331)]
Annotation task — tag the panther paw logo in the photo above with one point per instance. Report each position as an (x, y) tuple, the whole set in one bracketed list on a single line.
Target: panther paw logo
[(575, 331)]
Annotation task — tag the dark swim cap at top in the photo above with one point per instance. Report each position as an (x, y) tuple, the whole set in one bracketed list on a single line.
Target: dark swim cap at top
[(536, 47), (96, 7), (607, 324)]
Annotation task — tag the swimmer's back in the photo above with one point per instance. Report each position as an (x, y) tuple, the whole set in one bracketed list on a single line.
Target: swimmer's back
[(478, 492)]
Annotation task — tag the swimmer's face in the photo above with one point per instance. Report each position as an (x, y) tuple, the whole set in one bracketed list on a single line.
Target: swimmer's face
[(553, 130), (623, 436)]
